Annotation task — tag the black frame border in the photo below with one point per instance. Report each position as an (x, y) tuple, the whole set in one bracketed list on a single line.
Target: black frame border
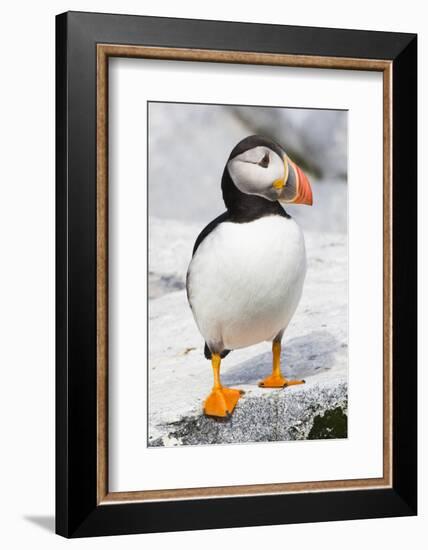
[(77, 512)]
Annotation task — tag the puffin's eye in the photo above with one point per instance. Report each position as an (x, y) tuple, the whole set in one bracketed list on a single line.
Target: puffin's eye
[(265, 161)]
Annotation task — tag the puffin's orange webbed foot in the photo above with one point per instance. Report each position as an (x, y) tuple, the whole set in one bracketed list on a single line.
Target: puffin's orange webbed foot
[(221, 402), (276, 380), (273, 381)]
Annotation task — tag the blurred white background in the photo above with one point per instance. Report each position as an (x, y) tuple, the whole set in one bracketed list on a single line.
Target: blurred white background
[(189, 145)]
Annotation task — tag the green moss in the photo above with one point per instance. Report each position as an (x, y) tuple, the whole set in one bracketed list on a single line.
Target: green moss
[(333, 424)]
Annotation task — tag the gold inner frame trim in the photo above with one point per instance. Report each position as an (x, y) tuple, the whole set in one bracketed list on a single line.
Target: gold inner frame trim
[(104, 51)]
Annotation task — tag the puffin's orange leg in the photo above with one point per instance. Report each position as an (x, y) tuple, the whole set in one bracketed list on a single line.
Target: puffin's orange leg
[(221, 401), (276, 380)]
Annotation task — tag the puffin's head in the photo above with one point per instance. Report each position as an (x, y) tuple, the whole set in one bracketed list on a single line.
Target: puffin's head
[(259, 166)]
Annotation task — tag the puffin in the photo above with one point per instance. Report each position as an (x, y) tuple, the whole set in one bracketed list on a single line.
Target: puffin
[(248, 266)]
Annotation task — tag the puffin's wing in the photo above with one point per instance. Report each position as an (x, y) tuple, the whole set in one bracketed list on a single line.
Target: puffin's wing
[(207, 230), (204, 233)]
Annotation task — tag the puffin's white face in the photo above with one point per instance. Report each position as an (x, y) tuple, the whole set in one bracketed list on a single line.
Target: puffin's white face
[(270, 174), (258, 171)]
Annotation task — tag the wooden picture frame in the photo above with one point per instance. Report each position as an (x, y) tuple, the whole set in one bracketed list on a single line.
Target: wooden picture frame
[(84, 44)]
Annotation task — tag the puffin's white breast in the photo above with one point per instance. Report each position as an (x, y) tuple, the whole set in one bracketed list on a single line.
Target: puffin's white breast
[(245, 281)]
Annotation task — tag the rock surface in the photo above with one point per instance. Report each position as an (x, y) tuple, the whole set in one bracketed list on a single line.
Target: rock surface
[(314, 348)]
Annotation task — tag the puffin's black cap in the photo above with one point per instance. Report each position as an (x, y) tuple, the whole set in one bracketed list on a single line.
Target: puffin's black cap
[(255, 141)]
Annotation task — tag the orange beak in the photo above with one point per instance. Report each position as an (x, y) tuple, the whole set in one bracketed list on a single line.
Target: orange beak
[(304, 191)]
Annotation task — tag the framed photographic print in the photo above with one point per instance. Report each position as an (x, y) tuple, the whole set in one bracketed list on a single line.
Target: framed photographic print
[(236, 274)]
